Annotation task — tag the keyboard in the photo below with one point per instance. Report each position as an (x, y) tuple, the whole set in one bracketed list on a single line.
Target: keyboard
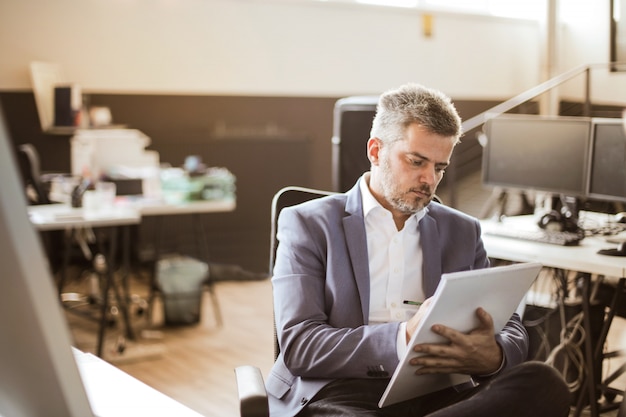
[(538, 235)]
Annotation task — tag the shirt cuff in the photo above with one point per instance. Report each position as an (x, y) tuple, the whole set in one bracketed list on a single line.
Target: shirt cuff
[(401, 340)]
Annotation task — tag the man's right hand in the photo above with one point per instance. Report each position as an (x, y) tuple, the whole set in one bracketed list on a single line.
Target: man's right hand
[(414, 321)]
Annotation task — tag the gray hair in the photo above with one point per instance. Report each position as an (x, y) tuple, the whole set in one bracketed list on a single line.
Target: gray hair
[(414, 103)]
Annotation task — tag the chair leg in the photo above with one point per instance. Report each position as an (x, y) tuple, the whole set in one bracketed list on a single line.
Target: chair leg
[(622, 409), (152, 296), (216, 306)]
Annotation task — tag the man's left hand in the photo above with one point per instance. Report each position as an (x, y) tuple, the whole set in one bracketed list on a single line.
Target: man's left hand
[(474, 353)]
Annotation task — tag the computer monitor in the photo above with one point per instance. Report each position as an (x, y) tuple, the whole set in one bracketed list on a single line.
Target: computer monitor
[(38, 372), (607, 179), (542, 153)]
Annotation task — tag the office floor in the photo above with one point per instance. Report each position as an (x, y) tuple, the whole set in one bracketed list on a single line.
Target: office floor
[(195, 364)]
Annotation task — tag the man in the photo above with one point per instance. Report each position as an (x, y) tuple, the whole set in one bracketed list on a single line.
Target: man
[(346, 263)]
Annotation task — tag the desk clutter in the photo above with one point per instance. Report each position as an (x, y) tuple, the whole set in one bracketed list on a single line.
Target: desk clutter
[(586, 224), (119, 157), (179, 185)]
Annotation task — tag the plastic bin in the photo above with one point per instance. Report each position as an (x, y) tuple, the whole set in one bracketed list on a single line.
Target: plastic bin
[(180, 280)]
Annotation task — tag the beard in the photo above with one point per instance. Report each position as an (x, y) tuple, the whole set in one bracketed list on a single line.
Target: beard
[(406, 202)]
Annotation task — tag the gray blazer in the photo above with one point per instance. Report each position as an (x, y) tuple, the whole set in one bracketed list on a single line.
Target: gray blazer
[(322, 291)]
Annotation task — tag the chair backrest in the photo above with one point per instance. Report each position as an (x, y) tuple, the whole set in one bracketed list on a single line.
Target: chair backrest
[(285, 197), (28, 160)]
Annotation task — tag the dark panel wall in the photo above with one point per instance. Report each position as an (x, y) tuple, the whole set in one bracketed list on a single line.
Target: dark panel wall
[(267, 142)]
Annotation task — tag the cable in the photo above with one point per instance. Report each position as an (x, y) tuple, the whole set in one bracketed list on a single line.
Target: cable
[(568, 355)]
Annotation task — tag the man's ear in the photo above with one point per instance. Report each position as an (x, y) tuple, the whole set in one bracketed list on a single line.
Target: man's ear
[(373, 150)]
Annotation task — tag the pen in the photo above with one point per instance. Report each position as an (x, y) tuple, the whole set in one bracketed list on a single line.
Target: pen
[(413, 303)]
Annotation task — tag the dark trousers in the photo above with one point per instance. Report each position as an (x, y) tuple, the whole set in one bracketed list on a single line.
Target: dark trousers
[(531, 389)]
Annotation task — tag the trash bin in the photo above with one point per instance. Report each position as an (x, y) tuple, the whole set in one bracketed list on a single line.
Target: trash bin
[(180, 280)]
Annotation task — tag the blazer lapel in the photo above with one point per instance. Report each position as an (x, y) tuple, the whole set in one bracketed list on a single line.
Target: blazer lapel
[(431, 255), (354, 226)]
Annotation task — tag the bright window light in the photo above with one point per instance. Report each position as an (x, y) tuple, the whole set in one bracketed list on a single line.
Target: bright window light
[(457, 5), (393, 3), (521, 9), (527, 9)]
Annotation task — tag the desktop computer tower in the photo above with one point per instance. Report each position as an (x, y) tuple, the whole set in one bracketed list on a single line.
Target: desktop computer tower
[(352, 122)]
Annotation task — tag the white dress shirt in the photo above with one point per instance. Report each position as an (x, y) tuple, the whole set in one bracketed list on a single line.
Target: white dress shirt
[(394, 263)]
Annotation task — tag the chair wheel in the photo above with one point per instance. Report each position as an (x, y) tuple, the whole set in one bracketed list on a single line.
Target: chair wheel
[(609, 396), (121, 345), (114, 311)]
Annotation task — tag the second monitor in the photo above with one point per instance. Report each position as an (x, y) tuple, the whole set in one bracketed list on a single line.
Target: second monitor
[(542, 153), (607, 177)]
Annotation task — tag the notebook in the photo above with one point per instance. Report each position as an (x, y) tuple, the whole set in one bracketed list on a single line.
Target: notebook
[(498, 290)]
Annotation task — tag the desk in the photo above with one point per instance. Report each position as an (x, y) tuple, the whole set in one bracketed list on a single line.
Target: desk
[(150, 207), (582, 258), (127, 211), (114, 393), (63, 217)]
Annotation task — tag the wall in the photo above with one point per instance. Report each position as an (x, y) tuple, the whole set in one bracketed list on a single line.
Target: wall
[(239, 47), (294, 48), (584, 40)]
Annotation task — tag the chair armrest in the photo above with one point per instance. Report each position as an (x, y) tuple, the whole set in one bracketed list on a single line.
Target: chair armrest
[(251, 390)]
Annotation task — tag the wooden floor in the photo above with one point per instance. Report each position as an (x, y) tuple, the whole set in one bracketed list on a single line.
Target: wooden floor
[(194, 364)]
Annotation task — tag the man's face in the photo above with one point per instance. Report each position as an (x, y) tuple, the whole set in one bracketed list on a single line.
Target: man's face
[(405, 174)]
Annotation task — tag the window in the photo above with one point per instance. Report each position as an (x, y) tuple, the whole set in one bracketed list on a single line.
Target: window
[(522, 9)]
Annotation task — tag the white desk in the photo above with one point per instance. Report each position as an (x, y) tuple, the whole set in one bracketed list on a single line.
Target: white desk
[(147, 207), (582, 258), (114, 393), (62, 216), (128, 210)]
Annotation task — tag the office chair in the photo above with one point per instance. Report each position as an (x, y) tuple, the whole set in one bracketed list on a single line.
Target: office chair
[(250, 385), (29, 164), (28, 161), (30, 174)]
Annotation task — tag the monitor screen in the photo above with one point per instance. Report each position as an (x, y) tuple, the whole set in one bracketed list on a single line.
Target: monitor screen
[(607, 179), (38, 373), (542, 153)]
